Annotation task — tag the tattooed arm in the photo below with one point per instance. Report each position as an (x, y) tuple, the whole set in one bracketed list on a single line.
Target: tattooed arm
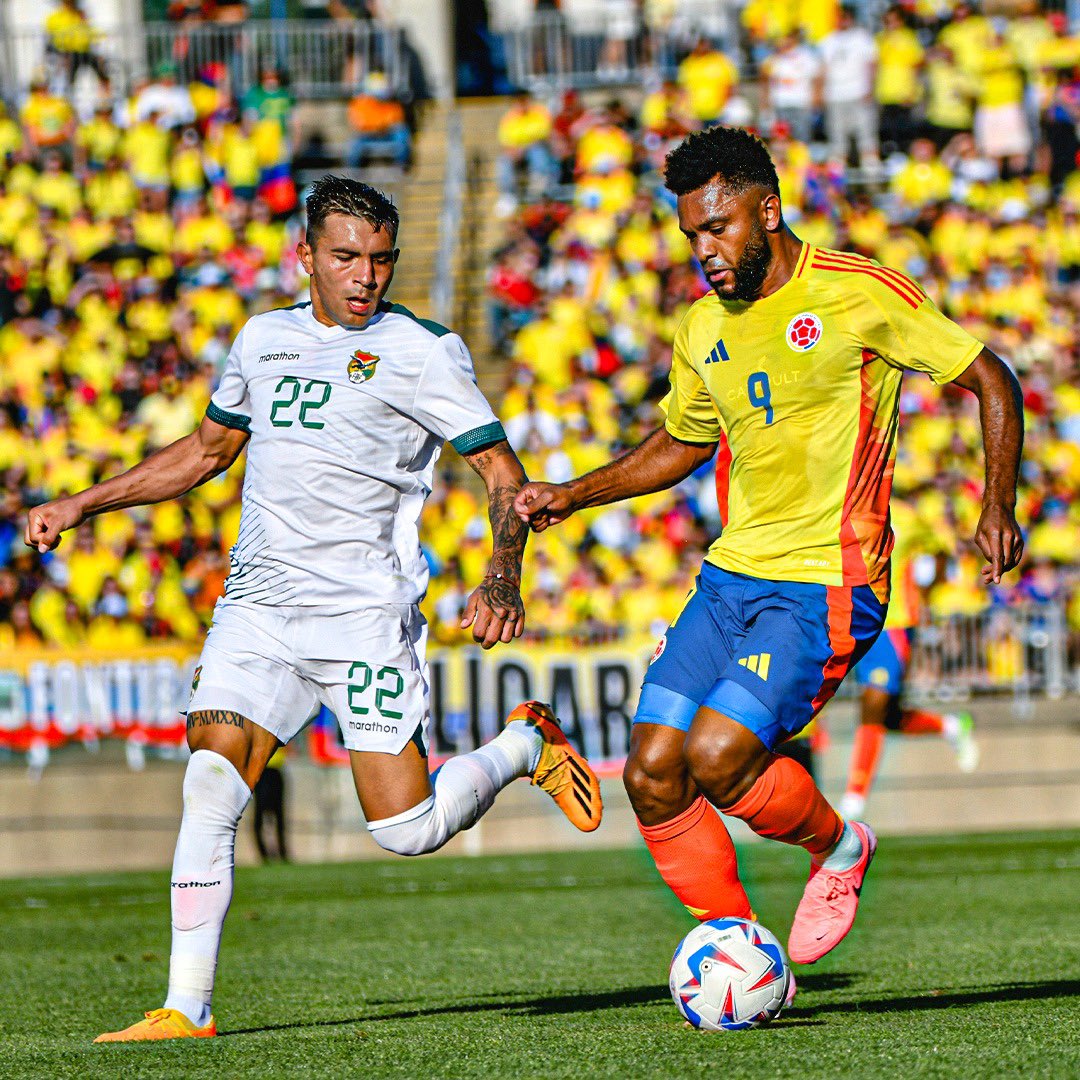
[(494, 610)]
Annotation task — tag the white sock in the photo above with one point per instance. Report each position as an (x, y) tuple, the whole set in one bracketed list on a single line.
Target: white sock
[(950, 727), (847, 852), (464, 789), (202, 879)]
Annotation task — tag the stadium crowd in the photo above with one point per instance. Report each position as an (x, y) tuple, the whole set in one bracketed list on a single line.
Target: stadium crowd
[(136, 240)]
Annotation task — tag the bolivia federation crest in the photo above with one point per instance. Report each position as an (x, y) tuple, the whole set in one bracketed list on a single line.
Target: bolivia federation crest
[(362, 366)]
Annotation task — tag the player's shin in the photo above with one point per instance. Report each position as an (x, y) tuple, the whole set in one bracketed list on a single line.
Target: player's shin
[(865, 756), (785, 804), (463, 791), (202, 879), (696, 858)]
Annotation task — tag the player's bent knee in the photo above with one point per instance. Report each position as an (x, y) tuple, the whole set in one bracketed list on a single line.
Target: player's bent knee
[(417, 831), (658, 786), (719, 769)]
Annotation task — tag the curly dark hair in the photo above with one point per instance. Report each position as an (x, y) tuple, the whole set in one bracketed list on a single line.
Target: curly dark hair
[(340, 195), (739, 158)]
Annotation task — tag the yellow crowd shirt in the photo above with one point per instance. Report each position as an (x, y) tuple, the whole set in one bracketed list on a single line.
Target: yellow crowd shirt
[(805, 384), (69, 31), (899, 57), (708, 80)]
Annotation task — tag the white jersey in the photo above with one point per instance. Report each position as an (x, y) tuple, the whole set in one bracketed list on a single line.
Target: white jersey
[(346, 427)]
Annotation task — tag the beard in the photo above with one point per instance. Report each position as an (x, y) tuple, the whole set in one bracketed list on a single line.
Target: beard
[(753, 265)]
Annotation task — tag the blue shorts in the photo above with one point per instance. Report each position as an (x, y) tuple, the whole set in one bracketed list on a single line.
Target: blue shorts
[(767, 654), (886, 662)]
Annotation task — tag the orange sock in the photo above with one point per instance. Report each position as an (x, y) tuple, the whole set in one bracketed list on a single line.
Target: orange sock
[(696, 857), (918, 722), (865, 755), (784, 804)]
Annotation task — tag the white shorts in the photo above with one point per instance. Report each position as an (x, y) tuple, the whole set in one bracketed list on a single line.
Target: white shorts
[(275, 666)]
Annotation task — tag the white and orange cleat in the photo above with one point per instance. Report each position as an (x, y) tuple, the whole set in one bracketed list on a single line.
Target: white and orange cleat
[(827, 910), (161, 1024), (562, 772)]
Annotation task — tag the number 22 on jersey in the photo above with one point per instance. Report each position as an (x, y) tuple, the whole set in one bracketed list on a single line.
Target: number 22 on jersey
[(316, 394)]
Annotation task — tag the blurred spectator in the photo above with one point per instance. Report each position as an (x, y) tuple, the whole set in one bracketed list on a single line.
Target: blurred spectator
[(789, 79), (47, 119), (379, 122), (165, 101), (70, 38), (1001, 127), (849, 60), (621, 27), (950, 95), (270, 100), (524, 153), (897, 89), (923, 179), (708, 77)]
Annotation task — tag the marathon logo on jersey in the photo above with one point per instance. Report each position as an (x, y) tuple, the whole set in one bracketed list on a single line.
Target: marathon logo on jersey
[(267, 357), (804, 332), (362, 366)]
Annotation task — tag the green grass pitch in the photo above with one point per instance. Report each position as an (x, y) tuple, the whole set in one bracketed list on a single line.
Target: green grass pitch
[(965, 962)]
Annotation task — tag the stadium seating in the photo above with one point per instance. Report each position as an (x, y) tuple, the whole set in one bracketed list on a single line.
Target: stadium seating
[(131, 252)]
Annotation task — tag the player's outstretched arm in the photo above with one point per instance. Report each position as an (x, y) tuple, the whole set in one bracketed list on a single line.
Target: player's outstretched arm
[(659, 462), (166, 474), (495, 610), (1001, 412)]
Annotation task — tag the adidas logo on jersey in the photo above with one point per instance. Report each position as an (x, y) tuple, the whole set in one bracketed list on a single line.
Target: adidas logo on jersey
[(758, 664)]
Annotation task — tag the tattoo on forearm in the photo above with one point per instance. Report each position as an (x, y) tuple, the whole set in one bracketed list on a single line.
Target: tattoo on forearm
[(508, 532), (206, 717)]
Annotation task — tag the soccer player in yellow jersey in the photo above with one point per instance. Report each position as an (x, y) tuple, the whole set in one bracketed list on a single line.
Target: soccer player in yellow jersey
[(882, 671), (796, 357)]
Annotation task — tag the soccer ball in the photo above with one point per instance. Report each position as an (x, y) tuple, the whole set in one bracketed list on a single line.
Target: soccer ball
[(729, 975)]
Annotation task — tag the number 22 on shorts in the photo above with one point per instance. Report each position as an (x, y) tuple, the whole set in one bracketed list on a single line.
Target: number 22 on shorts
[(389, 685)]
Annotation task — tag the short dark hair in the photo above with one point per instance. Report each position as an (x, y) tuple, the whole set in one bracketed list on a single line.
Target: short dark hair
[(340, 195), (740, 159)]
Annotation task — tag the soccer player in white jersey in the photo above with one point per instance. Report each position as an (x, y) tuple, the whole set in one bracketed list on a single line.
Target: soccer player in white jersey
[(344, 404)]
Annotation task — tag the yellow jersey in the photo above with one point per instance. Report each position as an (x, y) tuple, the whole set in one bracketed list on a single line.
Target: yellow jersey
[(805, 385)]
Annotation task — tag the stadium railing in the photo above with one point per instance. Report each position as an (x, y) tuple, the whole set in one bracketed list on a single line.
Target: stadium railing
[(1023, 649), (552, 50), (442, 288), (325, 60)]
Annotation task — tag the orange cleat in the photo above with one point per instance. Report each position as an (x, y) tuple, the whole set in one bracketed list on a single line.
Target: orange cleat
[(562, 772), (161, 1024)]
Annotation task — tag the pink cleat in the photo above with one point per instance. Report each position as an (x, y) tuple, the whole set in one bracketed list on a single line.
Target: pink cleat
[(790, 996), (827, 910)]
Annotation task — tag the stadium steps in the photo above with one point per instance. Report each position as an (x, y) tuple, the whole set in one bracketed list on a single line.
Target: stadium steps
[(420, 200), (481, 233)]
